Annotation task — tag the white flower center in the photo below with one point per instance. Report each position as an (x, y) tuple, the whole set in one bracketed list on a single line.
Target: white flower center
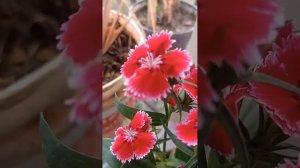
[(150, 61), (130, 134)]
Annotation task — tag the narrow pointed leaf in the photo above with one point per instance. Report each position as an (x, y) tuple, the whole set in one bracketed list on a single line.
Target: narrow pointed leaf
[(180, 145), (129, 112), (58, 155)]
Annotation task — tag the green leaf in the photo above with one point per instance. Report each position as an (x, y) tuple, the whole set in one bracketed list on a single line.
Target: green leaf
[(111, 160), (129, 112), (59, 155), (231, 127), (192, 162), (180, 145), (162, 141), (181, 155), (264, 78)]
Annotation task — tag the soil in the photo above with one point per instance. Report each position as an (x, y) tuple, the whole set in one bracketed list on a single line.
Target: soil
[(28, 30), (183, 18), (116, 56)]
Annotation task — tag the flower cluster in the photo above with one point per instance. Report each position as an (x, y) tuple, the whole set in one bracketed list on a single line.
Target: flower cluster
[(148, 71)]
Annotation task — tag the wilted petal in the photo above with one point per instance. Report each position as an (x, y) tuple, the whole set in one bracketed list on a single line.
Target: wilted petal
[(175, 63), (147, 84), (81, 38)]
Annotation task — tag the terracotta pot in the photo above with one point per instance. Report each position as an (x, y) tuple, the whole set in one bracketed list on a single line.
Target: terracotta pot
[(112, 119), (25, 99), (181, 38)]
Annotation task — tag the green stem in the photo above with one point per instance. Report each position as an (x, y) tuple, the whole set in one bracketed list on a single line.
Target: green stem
[(202, 157), (167, 116), (264, 78)]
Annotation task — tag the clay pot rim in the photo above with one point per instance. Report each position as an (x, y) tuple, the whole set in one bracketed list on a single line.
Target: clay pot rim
[(132, 23), (136, 6)]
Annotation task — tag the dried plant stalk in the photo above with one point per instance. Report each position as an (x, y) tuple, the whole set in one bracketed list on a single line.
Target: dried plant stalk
[(110, 30), (152, 15)]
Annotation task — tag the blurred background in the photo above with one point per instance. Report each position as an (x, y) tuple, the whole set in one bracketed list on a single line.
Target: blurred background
[(33, 77)]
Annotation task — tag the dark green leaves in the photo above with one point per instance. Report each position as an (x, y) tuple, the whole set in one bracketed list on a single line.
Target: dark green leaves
[(59, 155), (129, 112)]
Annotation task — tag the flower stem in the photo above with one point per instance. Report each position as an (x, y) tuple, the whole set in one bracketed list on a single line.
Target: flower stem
[(167, 116)]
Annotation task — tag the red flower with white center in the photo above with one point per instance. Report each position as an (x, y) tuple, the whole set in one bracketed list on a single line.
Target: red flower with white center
[(82, 37), (187, 131), (289, 164), (283, 105), (87, 105), (233, 37), (134, 140), (207, 95), (149, 66), (191, 88)]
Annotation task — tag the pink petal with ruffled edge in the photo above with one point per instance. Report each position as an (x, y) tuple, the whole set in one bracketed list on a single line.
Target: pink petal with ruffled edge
[(132, 63), (175, 63), (187, 131), (141, 120), (81, 38), (192, 77), (122, 149), (149, 84), (230, 37), (143, 143), (283, 105), (159, 43)]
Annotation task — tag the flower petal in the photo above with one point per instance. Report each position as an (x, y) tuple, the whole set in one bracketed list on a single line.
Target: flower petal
[(230, 37), (289, 164), (219, 141), (81, 38), (147, 84), (143, 143), (175, 63), (187, 131), (192, 77), (132, 63), (141, 120), (159, 43), (122, 149), (283, 105)]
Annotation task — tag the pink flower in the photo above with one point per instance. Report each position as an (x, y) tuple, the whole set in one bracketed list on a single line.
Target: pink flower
[(283, 105), (289, 164), (82, 36), (134, 140), (233, 33), (149, 66), (187, 131), (207, 95), (192, 77), (87, 105)]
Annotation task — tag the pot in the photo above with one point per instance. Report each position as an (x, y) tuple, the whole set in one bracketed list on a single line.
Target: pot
[(182, 38), (111, 118), (25, 99)]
